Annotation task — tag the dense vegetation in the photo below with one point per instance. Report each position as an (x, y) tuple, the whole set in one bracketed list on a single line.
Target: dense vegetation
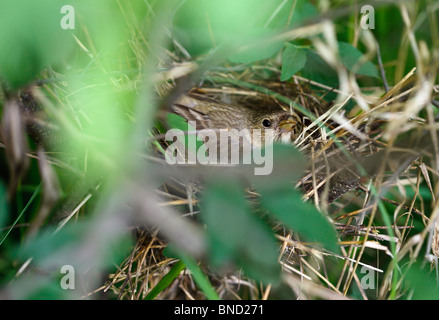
[(85, 100)]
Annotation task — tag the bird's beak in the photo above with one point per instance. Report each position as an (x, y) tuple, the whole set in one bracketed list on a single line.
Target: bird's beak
[(287, 125)]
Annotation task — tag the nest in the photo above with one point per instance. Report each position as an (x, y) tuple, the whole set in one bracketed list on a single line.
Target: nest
[(354, 158), (348, 161)]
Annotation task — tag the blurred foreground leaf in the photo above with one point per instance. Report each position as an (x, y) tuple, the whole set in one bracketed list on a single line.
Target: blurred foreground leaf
[(279, 197), (287, 165), (31, 38), (302, 217), (303, 11), (318, 70), (424, 284), (202, 25), (82, 245), (257, 52), (236, 235)]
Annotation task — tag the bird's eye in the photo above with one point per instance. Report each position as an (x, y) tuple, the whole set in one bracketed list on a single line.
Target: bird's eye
[(266, 123)]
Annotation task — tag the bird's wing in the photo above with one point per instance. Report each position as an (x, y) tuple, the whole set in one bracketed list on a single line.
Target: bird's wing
[(198, 108), (202, 120), (208, 113)]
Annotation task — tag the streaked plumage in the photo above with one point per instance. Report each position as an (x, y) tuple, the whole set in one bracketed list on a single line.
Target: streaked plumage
[(210, 114)]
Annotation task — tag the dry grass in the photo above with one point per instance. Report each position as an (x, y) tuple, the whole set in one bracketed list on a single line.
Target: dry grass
[(364, 239), (331, 136), (373, 171)]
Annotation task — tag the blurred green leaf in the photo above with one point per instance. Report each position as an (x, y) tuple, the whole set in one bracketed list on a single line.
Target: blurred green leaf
[(76, 244), (302, 217), (202, 25), (279, 197), (257, 52), (48, 289), (303, 11), (31, 38), (236, 235), (424, 284), (287, 164), (350, 56), (293, 60), (318, 70)]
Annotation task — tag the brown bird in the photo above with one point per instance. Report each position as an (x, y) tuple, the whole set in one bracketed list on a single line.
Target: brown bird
[(211, 114)]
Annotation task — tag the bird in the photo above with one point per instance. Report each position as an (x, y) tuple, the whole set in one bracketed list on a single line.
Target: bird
[(287, 126), (275, 124)]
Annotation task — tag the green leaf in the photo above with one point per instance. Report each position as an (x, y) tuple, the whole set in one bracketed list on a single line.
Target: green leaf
[(280, 199), (302, 217), (201, 26), (50, 248), (177, 122), (350, 56), (166, 280), (318, 70), (185, 262), (236, 235), (293, 60), (423, 283), (200, 278), (257, 53), (34, 39), (287, 165), (303, 11)]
